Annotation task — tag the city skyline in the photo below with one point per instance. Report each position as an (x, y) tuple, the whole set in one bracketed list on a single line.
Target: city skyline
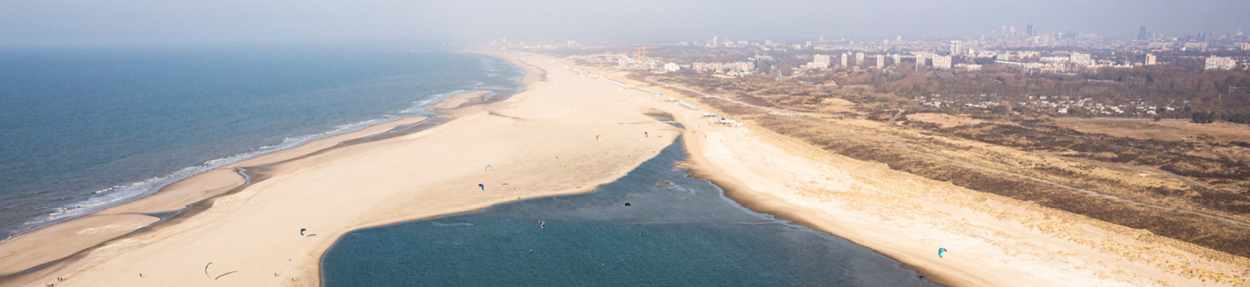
[(34, 23)]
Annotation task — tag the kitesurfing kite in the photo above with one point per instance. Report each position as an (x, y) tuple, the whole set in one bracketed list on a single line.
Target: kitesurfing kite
[(483, 186), (940, 251), (487, 167)]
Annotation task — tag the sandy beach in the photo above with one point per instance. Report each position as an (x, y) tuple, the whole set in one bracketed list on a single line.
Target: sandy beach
[(567, 133), (564, 134), (990, 240)]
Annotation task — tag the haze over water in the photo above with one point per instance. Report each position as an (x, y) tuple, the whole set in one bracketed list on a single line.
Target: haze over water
[(85, 129)]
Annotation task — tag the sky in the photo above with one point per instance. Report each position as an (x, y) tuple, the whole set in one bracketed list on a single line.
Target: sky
[(144, 22)]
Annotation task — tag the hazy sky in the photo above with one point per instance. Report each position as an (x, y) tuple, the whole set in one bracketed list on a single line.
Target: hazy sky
[(113, 22)]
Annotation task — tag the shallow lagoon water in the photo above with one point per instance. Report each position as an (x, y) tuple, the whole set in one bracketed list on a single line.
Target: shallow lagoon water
[(682, 232)]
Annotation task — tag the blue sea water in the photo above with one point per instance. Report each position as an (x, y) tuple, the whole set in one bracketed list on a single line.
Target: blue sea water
[(85, 129), (682, 233)]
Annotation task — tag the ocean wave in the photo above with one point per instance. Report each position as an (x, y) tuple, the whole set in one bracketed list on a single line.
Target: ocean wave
[(418, 107), (119, 194)]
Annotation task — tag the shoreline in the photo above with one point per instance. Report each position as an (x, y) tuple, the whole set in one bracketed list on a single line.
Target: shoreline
[(735, 190), (569, 138), (49, 245), (182, 198), (176, 200), (907, 218), (407, 177)]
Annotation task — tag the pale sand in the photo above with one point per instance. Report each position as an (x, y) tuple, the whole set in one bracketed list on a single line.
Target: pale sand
[(459, 100), (255, 230), (992, 241), (68, 238)]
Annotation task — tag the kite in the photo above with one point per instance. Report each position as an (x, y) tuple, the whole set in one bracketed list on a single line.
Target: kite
[(483, 186), (940, 251)]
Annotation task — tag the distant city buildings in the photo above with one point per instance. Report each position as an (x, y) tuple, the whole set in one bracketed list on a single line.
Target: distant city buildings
[(732, 69), (819, 62), (1150, 59), (822, 59), (859, 59), (844, 59), (1142, 35), (1220, 63), (672, 67), (880, 61), (942, 62), (955, 47), (1080, 59)]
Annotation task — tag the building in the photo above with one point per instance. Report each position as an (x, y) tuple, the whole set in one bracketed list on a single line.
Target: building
[(955, 47), (880, 61), (1030, 30), (1080, 59), (844, 59), (672, 67), (1243, 46), (919, 61), (1196, 46), (1141, 35), (821, 59), (859, 59), (1150, 59), (897, 59), (1005, 56), (1221, 63), (942, 62)]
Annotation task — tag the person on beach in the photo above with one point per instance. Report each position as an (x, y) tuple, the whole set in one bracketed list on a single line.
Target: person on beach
[(646, 135)]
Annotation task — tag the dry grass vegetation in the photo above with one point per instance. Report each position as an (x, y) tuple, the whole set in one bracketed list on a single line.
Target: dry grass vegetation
[(1168, 130), (1038, 161)]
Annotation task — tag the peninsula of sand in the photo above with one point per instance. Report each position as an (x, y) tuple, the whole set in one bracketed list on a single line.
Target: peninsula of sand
[(569, 131)]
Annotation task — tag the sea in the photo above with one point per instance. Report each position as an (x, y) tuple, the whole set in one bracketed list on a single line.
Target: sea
[(656, 226), (83, 129)]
